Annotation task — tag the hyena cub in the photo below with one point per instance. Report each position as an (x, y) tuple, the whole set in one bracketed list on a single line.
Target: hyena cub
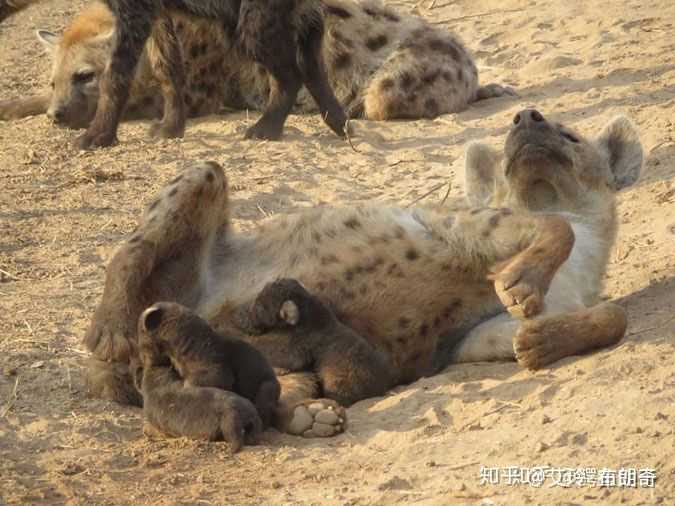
[(172, 408), (283, 36), (205, 358), (307, 332)]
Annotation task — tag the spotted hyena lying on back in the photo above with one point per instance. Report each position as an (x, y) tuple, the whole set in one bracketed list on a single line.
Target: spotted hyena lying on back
[(418, 289), (381, 64)]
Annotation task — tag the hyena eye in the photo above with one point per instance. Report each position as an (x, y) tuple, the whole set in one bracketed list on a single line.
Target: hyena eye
[(83, 77), (570, 137)]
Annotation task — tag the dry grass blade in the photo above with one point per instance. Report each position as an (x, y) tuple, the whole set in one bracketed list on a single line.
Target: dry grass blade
[(12, 399), (433, 190), (349, 138)]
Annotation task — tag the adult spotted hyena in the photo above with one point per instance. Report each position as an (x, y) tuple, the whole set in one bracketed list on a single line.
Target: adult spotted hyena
[(417, 289), (381, 64)]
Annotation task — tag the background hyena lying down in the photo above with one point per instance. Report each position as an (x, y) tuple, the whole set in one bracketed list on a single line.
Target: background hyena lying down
[(418, 288), (381, 64)]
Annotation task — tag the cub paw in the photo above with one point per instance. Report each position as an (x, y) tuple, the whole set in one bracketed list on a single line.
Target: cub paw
[(318, 418)]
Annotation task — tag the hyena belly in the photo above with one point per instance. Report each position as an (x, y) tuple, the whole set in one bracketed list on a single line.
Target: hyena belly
[(361, 264)]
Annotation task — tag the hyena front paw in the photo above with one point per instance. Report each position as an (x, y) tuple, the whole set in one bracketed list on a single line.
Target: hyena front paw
[(317, 418), (520, 288), (91, 140)]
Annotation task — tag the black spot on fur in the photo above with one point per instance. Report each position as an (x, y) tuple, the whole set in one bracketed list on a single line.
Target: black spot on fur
[(412, 254), (448, 76), (494, 220), (173, 192), (376, 43), (342, 60), (431, 107), (153, 205), (473, 212), (210, 177), (399, 232), (349, 275), (176, 179), (135, 238), (430, 78), (445, 47), (386, 84), (407, 80), (316, 237), (339, 37), (390, 16), (338, 11), (371, 12), (353, 223), (505, 211)]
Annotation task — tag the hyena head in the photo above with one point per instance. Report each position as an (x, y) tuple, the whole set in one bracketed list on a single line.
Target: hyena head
[(79, 57), (546, 166)]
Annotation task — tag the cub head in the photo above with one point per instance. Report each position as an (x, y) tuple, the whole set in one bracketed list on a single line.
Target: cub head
[(79, 57), (546, 166)]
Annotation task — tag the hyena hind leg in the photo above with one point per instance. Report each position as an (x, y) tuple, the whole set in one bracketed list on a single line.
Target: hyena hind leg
[(161, 260)]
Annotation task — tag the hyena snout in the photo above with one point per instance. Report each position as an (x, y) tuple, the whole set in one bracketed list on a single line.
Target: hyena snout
[(529, 118), (57, 115)]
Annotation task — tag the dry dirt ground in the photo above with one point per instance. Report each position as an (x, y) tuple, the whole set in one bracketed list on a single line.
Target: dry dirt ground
[(63, 212)]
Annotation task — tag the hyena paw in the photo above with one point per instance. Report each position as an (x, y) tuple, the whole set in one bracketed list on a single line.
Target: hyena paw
[(265, 130), (533, 346), (95, 140), (110, 335), (162, 130), (520, 290), (318, 418)]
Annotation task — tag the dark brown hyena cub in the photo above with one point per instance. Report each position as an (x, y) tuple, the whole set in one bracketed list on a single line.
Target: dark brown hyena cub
[(172, 408), (303, 332), (202, 357), (283, 36)]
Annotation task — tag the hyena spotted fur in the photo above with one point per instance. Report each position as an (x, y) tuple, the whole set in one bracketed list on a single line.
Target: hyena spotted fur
[(381, 65)]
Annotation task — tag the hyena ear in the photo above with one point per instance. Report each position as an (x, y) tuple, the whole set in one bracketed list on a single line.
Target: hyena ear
[(290, 313), (151, 318), (480, 173), (48, 39), (620, 143)]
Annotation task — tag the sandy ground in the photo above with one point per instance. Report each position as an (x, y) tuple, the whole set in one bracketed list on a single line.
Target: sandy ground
[(63, 212)]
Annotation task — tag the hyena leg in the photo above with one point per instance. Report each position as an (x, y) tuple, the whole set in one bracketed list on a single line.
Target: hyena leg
[(161, 260), (169, 69), (131, 32), (299, 406), (546, 339), (494, 90), (24, 107), (316, 80), (266, 34)]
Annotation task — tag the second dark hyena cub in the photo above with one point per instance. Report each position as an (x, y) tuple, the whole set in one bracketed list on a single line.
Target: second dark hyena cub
[(283, 36), (202, 357), (305, 332), (171, 408)]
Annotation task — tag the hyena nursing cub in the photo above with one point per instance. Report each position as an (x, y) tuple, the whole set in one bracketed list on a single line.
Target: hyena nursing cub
[(381, 65), (367, 298)]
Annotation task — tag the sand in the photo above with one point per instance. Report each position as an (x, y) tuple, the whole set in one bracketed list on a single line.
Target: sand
[(62, 213)]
